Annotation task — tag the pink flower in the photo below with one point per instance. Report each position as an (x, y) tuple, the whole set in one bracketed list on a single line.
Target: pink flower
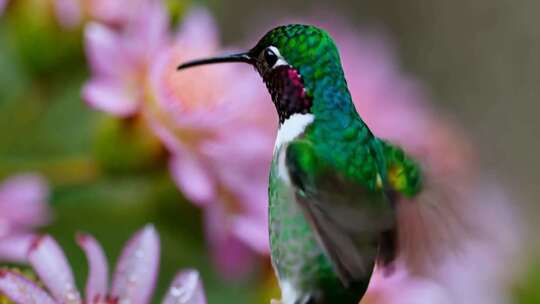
[(72, 13), (133, 281), (22, 208), (218, 123), (114, 12), (404, 288), (119, 59), (68, 12), (214, 121), (3, 4)]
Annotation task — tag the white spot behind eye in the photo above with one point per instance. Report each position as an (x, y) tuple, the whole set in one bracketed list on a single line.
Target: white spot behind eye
[(281, 60)]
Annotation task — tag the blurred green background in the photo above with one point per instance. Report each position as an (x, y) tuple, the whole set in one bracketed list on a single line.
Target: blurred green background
[(478, 58)]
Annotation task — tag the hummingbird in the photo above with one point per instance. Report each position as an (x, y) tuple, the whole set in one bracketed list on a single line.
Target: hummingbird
[(333, 184)]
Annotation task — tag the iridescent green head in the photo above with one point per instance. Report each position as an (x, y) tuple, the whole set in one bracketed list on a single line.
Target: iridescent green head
[(306, 48), (297, 63)]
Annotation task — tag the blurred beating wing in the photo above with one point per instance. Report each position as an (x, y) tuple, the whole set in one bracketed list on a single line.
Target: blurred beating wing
[(348, 218), (435, 212)]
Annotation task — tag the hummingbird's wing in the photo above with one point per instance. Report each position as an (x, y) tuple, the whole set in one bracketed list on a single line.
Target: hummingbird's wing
[(436, 216), (348, 218)]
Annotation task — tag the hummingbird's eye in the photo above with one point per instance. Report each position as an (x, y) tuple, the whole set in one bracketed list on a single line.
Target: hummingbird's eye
[(270, 57)]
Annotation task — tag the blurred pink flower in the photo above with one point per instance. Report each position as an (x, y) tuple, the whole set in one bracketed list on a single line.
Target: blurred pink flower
[(403, 288), (213, 120), (133, 281), (120, 58), (114, 12), (118, 13), (69, 12), (3, 4), (218, 123), (23, 207)]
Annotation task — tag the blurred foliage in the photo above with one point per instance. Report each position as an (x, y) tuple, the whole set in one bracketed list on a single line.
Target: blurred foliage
[(528, 289), (33, 29), (141, 150)]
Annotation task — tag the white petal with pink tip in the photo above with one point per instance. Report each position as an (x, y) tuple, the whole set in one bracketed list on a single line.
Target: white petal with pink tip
[(186, 289), (96, 284), (51, 265), (21, 290), (136, 272)]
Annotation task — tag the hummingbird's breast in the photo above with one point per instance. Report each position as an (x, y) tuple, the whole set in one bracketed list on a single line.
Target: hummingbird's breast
[(303, 269), (297, 258)]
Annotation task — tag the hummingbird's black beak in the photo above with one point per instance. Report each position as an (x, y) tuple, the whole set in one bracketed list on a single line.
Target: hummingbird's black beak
[(242, 57)]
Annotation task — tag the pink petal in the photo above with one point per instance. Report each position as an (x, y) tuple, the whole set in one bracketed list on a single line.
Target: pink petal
[(253, 232), (68, 12), (115, 12), (51, 265), (193, 179), (104, 50), (232, 257), (111, 96), (186, 289), (198, 30), (21, 290), (23, 202), (96, 284), (2, 6), (148, 29), (164, 133), (402, 288), (15, 248), (137, 268)]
